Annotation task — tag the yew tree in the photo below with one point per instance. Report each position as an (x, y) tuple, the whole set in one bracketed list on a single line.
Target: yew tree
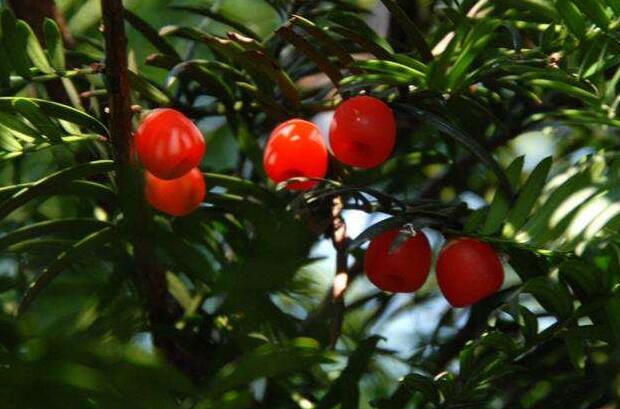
[(447, 239)]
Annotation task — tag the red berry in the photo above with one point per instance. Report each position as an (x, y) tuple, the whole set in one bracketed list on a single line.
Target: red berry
[(363, 132), (296, 149), (402, 270), (468, 271), (176, 197), (168, 144)]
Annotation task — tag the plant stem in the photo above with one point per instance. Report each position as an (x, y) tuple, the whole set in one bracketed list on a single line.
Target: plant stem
[(150, 277), (17, 81), (341, 279), (116, 72)]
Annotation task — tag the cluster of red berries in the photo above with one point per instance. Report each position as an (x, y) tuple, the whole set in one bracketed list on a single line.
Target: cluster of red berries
[(362, 134), (468, 270), (171, 147)]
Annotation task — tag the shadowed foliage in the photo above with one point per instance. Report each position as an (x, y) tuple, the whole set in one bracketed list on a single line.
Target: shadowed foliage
[(507, 132)]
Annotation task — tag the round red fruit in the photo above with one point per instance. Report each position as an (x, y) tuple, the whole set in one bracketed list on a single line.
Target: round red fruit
[(363, 132), (296, 149), (468, 271), (176, 197), (398, 267), (168, 144)]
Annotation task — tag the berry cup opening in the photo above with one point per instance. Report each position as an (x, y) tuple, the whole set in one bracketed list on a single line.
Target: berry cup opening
[(361, 148), (395, 283)]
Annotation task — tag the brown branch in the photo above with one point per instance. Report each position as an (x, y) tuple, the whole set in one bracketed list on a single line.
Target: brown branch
[(327, 310), (117, 77), (150, 278)]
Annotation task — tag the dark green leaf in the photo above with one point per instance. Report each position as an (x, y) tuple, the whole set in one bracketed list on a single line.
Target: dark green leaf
[(462, 138), (372, 80), (355, 29), (614, 5), (612, 313), (301, 44), (330, 44), (594, 10), (415, 36), (80, 188), (54, 43), (545, 224), (572, 17), (207, 11), (8, 142), (345, 389), (51, 227), (31, 111), (268, 360), (60, 111), (230, 400), (50, 183), (83, 247), (541, 8), (148, 90), (576, 352), (475, 220), (475, 42), (5, 67), (527, 198), (376, 229), (581, 276), (152, 35), (499, 341), (423, 385), (200, 72), (15, 43), (239, 186), (33, 47), (566, 88), (529, 322), (277, 75), (19, 129), (553, 296), (501, 203), (400, 72)]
